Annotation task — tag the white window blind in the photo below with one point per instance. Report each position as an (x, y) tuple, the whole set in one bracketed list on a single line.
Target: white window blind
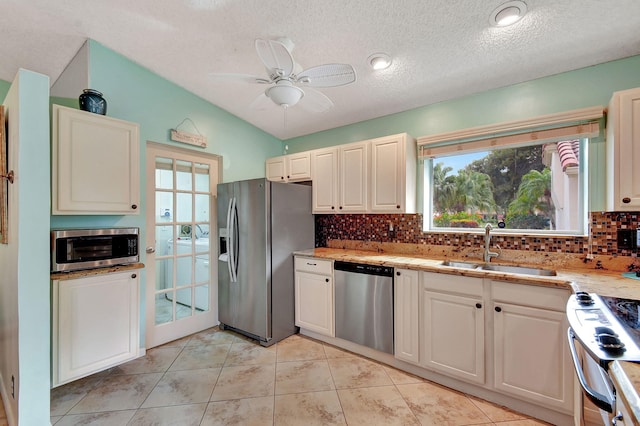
[(579, 123)]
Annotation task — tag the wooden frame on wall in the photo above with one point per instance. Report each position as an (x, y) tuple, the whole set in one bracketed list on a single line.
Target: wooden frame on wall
[(5, 178)]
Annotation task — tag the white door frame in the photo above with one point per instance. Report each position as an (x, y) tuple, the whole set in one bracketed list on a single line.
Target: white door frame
[(159, 334)]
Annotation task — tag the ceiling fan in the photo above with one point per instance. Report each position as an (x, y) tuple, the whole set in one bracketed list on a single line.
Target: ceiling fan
[(285, 78)]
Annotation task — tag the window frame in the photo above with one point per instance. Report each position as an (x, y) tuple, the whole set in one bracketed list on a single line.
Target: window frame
[(581, 124), (583, 179)]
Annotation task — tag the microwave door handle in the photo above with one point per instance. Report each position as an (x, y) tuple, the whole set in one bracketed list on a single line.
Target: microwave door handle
[(601, 401), (229, 239)]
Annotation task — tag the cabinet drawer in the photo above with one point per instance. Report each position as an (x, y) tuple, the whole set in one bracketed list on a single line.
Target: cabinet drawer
[(468, 286), (313, 265), (530, 295)]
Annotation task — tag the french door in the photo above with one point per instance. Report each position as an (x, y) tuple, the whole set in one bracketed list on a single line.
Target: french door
[(181, 243)]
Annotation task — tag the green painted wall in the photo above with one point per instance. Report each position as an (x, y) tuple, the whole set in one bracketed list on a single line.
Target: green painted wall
[(4, 88), (134, 93), (575, 89), (24, 261), (562, 92)]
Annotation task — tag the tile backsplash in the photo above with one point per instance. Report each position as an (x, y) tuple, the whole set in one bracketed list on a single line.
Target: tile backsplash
[(407, 228)]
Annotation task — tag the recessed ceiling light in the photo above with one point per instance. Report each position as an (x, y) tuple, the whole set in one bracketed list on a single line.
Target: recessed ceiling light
[(379, 61), (508, 13)]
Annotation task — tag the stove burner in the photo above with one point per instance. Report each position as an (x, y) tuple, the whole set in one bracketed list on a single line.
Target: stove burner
[(584, 298)]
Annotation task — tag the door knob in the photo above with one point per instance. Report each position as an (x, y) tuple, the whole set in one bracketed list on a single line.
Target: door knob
[(151, 249)]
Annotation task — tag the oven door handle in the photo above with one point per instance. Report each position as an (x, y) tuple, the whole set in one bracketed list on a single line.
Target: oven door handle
[(601, 401)]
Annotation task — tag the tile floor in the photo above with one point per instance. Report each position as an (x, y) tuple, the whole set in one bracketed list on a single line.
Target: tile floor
[(220, 378)]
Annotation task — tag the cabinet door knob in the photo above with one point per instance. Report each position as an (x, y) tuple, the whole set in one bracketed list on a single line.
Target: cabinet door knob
[(498, 309), (134, 206), (398, 273), (478, 305), (281, 177), (326, 279), (626, 200), (340, 207), (397, 206), (133, 275), (333, 208)]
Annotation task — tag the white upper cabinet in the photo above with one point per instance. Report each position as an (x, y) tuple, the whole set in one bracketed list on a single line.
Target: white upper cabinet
[(354, 165), (289, 168), (95, 164), (324, 171), (393, 174), (372, 176), (623, 151)]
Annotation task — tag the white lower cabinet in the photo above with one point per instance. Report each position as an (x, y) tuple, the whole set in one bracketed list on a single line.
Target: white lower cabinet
[(506, 337), (95, 324), (406, 315), (314, 295), (452, 326), (531, 355)]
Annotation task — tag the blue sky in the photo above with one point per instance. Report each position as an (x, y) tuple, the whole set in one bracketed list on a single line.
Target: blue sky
[(458, 162)]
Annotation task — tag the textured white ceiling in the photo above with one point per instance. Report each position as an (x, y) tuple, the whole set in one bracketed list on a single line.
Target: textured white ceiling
[(441, 49)]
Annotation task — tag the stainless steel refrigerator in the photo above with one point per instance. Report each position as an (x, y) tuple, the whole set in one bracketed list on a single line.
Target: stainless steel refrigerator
[(260, 224)]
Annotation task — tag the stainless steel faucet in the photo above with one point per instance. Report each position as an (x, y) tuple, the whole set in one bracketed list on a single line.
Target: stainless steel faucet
[(487, 243)]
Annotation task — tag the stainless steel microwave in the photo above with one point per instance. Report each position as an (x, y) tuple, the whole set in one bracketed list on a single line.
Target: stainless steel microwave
[(73, 249)]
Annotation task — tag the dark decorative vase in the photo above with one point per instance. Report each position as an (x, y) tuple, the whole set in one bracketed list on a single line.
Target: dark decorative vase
[(92, 101)]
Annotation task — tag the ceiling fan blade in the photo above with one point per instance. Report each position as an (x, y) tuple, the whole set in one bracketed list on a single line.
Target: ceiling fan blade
[(262, 102), (247, 78), (328, 75), (315, 101), (275, 56)]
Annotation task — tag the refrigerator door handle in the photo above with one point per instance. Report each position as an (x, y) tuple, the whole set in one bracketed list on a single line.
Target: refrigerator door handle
[(235, 247), (230, 240)]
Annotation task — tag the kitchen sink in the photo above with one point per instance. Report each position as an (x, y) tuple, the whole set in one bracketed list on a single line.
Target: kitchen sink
[(523, 270), (460, 264), (518, 270)]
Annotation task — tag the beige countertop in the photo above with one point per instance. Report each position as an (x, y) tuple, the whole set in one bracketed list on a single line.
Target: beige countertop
[(604, 282), (59, 276)]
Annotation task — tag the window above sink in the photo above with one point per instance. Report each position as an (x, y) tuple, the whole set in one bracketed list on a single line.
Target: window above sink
[(525, 177)]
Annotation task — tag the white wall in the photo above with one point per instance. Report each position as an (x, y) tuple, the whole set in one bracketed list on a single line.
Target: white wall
[(24, 261)]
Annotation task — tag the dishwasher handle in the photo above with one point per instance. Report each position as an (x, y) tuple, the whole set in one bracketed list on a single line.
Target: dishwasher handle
[(359, 268)]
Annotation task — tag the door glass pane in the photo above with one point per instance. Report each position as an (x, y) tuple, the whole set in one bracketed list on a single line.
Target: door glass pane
[(183, 307), (164, 173), (164, 206), (202, 207), (183, 271), (202, 298), (183, 244), (164, 274), (202, 244), (164, 309), (184, 177), (202, 235), (164, 234), (202, 177), (183, 207), (202, 269)]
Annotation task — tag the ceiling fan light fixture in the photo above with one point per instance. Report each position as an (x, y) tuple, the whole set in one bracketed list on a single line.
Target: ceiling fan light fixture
[(285, 95), (508, 13), (379, 61)]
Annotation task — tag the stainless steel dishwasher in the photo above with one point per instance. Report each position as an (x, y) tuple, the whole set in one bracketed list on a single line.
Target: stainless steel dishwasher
[(364, 304)]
